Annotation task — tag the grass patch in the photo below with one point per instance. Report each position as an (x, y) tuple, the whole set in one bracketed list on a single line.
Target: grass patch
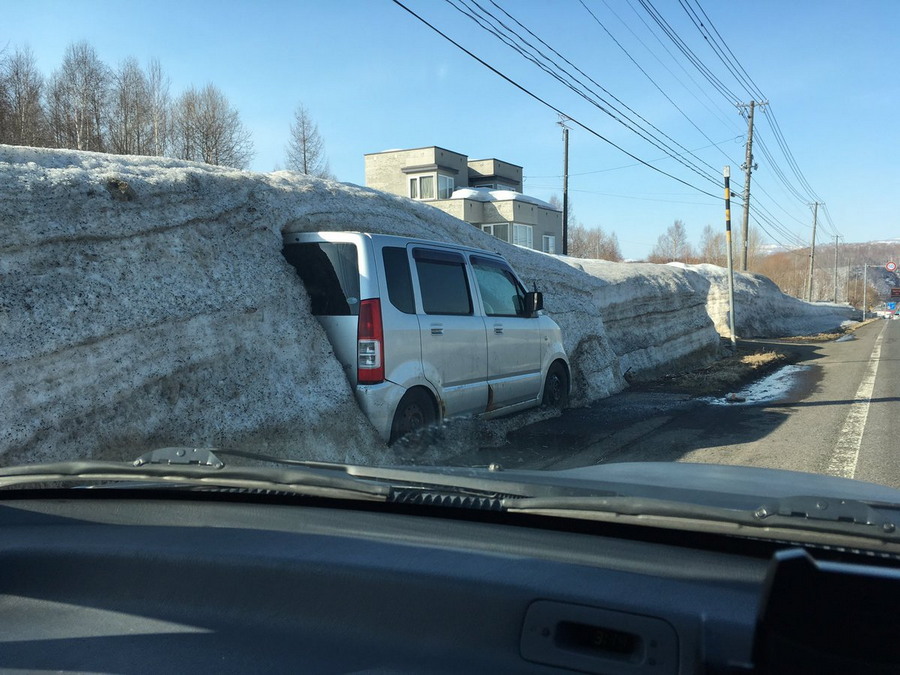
[(723, 376)]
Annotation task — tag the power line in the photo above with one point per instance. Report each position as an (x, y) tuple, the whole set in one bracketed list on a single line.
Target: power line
[(567, 78), (628, 166), (647, 75), (549, 105), (687, 52)]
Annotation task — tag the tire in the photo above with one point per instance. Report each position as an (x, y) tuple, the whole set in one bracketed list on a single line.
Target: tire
[(556, 387), (414, 413)]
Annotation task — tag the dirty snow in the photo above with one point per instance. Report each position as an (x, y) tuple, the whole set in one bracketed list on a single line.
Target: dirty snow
[(770, 389), (144, 302)]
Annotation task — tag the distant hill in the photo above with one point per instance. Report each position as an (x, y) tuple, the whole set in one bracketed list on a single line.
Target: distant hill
[(790, 270)]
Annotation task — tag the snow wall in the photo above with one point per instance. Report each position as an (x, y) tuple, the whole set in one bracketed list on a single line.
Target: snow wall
[(144, 302), (762, 310)]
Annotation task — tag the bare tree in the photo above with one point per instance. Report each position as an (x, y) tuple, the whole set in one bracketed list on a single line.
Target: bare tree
[(672, 245), (712, 247), (158, 92), (306, 149), (593, 243), (77, 97), (24, 87), (205, 128), (130, 123)]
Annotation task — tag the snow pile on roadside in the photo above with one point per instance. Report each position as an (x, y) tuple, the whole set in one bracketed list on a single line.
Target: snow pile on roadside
[(145, 303), (762, 310), (655, 316)]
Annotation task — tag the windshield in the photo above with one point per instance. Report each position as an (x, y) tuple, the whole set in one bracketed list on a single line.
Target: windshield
[(524, 236)]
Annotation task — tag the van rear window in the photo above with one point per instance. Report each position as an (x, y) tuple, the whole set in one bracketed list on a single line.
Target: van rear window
[(399, 280), (330, 274)]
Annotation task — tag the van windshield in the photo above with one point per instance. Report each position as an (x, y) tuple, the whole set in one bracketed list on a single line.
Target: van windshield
[(330, 274)]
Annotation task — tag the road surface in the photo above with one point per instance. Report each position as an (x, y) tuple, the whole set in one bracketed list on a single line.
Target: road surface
[(836, 412)]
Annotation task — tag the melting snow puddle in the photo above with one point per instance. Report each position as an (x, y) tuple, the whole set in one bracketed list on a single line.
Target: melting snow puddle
[(771, 388)]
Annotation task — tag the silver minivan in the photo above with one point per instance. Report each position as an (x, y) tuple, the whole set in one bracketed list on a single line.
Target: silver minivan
[(427, 330)]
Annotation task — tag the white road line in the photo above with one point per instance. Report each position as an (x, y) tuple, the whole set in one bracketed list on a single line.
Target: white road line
[(846, 450)]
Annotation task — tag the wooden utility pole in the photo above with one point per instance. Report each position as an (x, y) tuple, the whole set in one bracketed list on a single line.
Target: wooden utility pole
[(812, 254), (565, 223), (748, 166), (835, 267)]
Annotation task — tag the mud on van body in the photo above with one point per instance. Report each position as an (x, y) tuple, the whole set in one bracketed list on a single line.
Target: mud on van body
[(427, 330)]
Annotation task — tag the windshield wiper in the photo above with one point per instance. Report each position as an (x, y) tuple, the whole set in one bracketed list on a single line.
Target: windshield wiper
[(817, 514), (198, 467)]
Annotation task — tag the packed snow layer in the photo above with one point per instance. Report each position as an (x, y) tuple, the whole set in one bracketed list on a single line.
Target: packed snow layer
[(762, 310), (145, 303), (655, 316)]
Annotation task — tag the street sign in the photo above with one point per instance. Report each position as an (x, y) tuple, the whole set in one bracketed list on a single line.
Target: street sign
[(891, 266), (892, 306), (895, 292)]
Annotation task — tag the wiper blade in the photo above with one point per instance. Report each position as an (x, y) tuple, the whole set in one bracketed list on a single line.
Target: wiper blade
[(301, 481), (810, 514)]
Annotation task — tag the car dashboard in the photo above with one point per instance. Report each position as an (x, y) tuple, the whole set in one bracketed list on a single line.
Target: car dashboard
[(161, 581)]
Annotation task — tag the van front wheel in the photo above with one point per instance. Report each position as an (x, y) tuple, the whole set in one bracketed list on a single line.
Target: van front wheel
[(556, 387), (414, 412)]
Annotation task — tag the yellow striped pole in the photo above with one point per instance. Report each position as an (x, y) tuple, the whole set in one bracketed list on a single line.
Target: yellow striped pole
[(726, 172)]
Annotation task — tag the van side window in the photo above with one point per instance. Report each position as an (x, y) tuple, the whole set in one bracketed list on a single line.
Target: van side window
[(443, 280), (501, 292), (398, 278), (330, 274)]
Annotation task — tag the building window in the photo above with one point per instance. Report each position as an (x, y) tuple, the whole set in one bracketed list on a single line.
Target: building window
[(421, 187), (549, 245), (523, 235), (445, 186), (426, 187), (488, 228)]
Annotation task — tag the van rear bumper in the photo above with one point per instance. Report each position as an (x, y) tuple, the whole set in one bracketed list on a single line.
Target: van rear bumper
[(379, 402)]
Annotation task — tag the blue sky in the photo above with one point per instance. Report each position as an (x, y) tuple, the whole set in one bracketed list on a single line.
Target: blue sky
[(374, 78)]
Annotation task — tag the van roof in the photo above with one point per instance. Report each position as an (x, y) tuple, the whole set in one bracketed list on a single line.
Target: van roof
[(385, 238)]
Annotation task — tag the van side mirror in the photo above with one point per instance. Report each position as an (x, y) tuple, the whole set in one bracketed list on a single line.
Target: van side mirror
[(534, 302)]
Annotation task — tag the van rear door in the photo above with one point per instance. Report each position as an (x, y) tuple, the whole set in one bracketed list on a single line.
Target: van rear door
[(454, 344)]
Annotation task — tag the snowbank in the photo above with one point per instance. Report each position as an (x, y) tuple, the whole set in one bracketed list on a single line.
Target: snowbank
[(145, 302), (762, 310), (655, 316)]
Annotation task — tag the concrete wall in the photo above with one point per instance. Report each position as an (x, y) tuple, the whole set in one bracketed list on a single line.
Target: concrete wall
[(509, 174), (385, 170)]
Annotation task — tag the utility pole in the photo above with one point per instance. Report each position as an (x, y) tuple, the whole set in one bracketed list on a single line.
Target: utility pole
[(835, 267), (865, 289), (565, 213), (812, 254), (726, 173), (748, 166)]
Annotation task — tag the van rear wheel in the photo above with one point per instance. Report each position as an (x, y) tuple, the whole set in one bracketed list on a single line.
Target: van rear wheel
[(414, 412), (556, 387)]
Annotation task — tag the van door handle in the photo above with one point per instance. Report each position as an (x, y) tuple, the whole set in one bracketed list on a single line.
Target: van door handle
[(437, 330), (498, 328)]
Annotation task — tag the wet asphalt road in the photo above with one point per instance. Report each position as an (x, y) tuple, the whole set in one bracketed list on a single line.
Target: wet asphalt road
[(839, 414)]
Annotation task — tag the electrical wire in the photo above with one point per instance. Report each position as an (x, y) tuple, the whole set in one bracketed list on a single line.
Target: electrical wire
[(573, 82), (548, 104)]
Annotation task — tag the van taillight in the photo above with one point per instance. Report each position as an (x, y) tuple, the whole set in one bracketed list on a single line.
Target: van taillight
[(369, 343)]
